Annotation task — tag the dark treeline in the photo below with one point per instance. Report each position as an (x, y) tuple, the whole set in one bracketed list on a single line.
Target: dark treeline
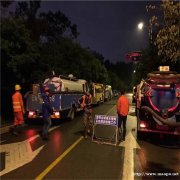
[(33, 44)]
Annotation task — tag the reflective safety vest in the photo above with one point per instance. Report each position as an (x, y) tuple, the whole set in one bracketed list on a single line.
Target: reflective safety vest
[(17, 102), (86, 100)]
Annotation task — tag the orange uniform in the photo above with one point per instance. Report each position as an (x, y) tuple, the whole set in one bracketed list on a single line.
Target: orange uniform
[(18, 108), (123, 105), (86, 100)]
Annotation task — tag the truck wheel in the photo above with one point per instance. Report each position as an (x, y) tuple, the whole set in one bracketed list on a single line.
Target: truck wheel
[(139, 133)]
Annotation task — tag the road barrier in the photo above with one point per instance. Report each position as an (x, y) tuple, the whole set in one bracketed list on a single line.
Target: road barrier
[(105, 130)]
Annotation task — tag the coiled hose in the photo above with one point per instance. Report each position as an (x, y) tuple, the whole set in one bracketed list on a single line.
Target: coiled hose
[(165, 121)]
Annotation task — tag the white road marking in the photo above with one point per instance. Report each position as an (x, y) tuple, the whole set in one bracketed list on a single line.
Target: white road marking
[(19, 154), (128, 165), (130, 144)]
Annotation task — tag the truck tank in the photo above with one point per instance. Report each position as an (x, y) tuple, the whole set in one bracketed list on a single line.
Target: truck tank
[(66, 84)]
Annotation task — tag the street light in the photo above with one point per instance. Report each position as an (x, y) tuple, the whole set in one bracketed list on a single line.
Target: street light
[(141, 27)]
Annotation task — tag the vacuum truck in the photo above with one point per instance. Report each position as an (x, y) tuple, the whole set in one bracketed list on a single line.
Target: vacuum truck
[(158, 103)]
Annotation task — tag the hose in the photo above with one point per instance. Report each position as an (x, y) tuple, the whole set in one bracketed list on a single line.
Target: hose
[(165, 121)]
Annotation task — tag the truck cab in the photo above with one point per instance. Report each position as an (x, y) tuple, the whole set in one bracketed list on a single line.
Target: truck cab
[(97, 92)]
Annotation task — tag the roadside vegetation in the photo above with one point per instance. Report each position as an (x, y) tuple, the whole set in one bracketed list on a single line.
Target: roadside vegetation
[(35, 43)]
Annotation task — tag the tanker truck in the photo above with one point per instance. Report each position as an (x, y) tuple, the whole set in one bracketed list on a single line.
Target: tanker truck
[(158, 103), (97, 92), (65, 93), (108, 93)]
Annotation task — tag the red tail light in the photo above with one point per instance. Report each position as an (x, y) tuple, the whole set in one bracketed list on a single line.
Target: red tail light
[(56, 113), (142, 124), (31, 113)]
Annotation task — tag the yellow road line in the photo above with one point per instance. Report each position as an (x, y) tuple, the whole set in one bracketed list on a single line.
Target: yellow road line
[(53, 164)]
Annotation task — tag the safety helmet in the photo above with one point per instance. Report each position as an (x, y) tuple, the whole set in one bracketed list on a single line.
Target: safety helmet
[(17, 87), (46, 89)]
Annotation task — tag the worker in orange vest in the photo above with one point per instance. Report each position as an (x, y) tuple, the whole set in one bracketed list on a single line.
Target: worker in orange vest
[(122, 111), (86, 102), (18, 108)]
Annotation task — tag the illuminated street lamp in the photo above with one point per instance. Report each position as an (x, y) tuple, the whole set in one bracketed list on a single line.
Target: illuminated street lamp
[(141, 27)]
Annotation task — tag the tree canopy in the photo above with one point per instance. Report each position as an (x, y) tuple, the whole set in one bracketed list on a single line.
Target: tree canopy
[(166, 22), (34, 43)]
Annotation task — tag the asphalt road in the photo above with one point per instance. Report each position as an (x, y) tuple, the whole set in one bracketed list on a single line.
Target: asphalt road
[(67, 155)]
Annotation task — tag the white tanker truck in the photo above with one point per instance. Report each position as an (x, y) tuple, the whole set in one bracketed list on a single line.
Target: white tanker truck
[(65, 93), (65, 84)]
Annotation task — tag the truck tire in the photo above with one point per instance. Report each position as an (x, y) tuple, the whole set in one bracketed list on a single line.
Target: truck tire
[(139, 133)]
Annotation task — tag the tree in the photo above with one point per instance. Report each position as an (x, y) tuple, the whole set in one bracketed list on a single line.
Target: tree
[(121, 73), (167, 39), (18, 51), (115, 81), (150, 62), (28, 12), (67, 57), (33, 46), (4, 5), (56, 25)]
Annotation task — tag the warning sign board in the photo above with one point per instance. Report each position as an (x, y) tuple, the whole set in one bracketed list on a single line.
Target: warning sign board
[(105, 129), (106, 120)]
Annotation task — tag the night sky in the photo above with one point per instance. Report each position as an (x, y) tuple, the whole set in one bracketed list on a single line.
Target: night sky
[(108, 27)]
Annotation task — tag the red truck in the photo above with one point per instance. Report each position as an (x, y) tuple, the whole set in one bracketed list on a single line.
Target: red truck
[(158, 103)]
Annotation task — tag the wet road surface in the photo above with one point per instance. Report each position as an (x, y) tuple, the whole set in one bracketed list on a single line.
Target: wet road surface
[(67, 155)]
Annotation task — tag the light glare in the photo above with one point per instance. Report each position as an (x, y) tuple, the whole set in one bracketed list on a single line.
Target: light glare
[(140, 26)]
